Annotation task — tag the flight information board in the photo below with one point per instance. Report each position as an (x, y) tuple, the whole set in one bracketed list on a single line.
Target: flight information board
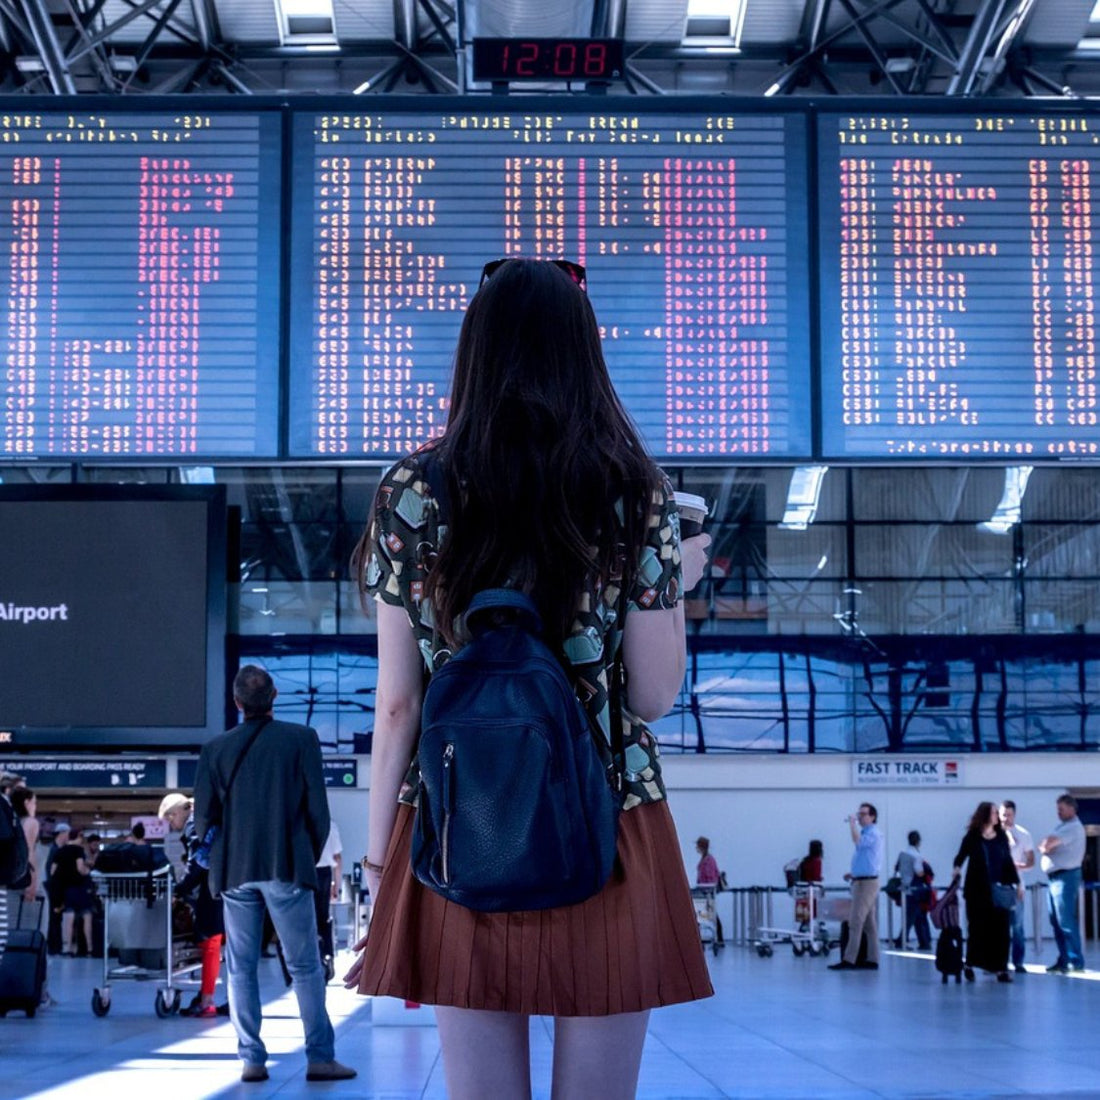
[(142, 285), (692, 225), (958, 272)]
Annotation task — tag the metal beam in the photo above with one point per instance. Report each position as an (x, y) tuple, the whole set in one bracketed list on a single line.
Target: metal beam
[(872, 46), (151, 39), (976, 46), (1005, 36), (49, 49), (234, 81), (404, 24), (137, 10), (437, 22), (204, 18)]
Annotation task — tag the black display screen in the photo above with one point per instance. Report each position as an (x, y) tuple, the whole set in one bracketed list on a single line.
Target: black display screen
[(692, 225), (958, 285), (112, 615), (142, 290)]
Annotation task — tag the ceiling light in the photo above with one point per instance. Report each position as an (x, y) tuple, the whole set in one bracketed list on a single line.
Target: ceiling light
[(714, 21), (1007, 513), (802, 497)]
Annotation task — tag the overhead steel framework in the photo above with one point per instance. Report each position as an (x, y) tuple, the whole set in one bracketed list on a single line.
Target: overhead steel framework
[(901, 47)]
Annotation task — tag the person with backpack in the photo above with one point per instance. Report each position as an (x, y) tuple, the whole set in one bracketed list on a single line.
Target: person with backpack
[(536, 527)]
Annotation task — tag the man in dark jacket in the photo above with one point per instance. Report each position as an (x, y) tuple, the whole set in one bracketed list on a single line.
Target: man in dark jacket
[(262, 786)]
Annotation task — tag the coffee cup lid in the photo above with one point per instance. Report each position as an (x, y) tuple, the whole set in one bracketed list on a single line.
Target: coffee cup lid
[(691, 500)]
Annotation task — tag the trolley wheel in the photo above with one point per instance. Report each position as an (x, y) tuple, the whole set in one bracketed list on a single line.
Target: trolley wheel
[(762, 950), (101, 1004), (812, 949), (162, 1006), (825, 949), (798, 947), (175, 1002)]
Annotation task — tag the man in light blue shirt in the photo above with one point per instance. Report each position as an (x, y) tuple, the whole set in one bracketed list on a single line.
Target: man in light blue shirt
[(864, 876), (1063, 852)]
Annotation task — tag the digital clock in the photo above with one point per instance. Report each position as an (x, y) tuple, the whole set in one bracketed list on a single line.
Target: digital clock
[(498, 59)]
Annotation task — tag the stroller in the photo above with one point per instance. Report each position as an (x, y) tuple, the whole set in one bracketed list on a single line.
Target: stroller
[(949, 947)]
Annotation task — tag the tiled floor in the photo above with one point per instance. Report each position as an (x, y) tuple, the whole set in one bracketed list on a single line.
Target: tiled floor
[(777, 1027)]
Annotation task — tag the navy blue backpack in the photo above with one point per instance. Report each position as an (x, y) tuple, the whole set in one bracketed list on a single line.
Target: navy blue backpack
[(516, 810)]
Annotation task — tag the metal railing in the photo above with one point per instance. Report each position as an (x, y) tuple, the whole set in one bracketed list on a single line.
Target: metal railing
[(756, 907)]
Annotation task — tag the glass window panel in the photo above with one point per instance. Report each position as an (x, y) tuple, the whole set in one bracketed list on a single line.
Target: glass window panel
[(358, 486), (936, 607), (288, 607), (931, 550), (1061, 606), (1062, 550), (1055, 494), (128, 475), (35, 475), (805, 607), (930, 494), (270, 495), (332, 692)]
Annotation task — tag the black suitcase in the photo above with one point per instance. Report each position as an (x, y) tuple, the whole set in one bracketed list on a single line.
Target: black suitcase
[(845, 935), (23, 969), (949, 954)]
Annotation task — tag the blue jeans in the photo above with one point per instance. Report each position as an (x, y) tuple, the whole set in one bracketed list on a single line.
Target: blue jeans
[(291, 909), (1062, 907), (1019, 935), (916, 919)]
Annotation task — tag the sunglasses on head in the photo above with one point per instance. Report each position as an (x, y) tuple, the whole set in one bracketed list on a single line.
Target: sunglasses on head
[(575, 271)]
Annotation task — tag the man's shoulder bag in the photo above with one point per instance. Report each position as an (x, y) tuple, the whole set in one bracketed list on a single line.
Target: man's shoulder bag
[(201, 854), (516, 808)]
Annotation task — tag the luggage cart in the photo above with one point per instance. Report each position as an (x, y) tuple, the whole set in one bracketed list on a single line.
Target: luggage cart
[(810, 934), (706, 915), (132, 894)]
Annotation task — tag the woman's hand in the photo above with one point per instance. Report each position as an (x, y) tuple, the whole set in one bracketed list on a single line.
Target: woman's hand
[(351, 978), (956, 874), (693, 558)]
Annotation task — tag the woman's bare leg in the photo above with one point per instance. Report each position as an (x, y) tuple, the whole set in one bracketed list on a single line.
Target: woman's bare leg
[(485, 1054), (598, 1056)]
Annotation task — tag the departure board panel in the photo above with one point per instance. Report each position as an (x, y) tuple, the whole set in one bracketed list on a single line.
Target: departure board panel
[(692, 226), (142, 306), (958, 272)]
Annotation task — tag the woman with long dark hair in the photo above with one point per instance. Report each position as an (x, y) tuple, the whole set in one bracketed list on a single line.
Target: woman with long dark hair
[(988, 860), (547, 489)]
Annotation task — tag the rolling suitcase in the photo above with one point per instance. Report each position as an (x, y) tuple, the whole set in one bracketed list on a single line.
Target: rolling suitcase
[(23, 968), (949, 954)]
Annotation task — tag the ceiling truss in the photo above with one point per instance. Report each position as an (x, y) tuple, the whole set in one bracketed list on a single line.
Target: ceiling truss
[(898, 47)]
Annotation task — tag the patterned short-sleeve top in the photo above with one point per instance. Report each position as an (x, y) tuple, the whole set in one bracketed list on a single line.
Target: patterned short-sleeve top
[(405, 535)]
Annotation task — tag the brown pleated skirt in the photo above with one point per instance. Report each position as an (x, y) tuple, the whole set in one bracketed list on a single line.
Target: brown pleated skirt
[(633, 946)]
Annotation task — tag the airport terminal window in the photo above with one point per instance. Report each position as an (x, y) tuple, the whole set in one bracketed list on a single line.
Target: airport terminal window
[(892, 620)]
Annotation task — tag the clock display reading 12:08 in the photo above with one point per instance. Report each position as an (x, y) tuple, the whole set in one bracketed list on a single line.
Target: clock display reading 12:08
[(547, 58)]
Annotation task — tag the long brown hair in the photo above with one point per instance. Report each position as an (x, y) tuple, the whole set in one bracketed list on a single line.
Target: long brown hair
[(981, 817), (547, 480)]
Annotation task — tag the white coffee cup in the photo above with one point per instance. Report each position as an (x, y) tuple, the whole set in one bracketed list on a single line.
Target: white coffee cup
[(693, 511)]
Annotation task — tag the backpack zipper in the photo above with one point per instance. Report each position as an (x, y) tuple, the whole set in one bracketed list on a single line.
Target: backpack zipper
[(448, 785)]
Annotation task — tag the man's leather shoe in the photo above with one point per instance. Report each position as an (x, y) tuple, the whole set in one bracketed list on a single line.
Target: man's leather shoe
[(329, 1071), (253, 1072), (842, 965), (867, 966), (1058, 968)]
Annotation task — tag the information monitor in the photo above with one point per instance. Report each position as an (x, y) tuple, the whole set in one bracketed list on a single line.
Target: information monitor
[(958, 284), (692, 226), (141, 302)]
